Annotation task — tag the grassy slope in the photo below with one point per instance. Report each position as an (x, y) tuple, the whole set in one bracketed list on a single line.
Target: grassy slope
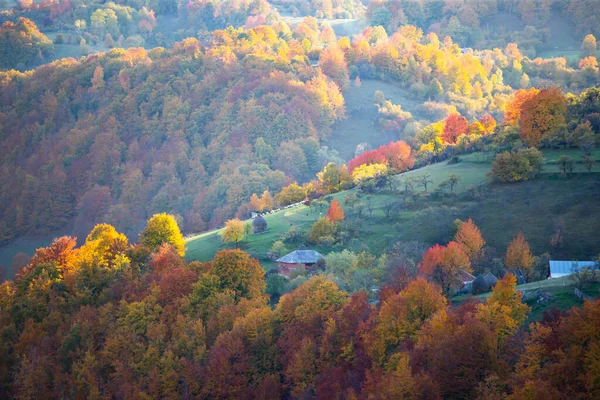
[(562, 289), (501, 212), (360, 125)]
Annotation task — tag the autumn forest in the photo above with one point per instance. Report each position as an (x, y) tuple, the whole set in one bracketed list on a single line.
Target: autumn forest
[(297, 199)]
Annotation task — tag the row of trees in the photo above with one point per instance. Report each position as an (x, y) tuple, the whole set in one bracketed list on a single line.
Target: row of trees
[(110, 319)]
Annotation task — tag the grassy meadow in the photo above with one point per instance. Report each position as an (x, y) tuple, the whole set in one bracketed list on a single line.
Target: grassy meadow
[(500, 210)]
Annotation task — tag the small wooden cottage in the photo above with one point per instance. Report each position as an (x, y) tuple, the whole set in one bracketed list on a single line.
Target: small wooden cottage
[(298, 260)]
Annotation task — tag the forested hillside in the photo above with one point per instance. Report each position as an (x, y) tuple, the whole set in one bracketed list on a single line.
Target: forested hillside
[(114, 320), (299, 199), (118, 136)]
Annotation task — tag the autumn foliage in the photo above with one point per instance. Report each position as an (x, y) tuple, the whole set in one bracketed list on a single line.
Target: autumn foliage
[(454, 126), (396, 155), (541, 115), (445, 265), (335, 212), (104, 309), (469, 236), (518, 255)]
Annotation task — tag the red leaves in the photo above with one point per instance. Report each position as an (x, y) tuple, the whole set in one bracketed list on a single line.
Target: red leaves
[(396, 155), (445, 264), (454, 126)]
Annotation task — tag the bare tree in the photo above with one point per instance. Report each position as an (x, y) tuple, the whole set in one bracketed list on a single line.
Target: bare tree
[(424, 181), (388, 207), (452, 181), (370, 206)]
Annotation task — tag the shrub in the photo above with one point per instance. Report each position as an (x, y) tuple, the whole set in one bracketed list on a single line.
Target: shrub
[(320, 230), (517, 166), (454, 160)]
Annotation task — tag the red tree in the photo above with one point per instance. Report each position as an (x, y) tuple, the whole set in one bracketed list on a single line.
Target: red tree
[(454, 126)]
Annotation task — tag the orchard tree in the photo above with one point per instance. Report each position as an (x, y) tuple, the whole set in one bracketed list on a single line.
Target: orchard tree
[(566, 164), (233, 232), (335, 212), (162, 228)]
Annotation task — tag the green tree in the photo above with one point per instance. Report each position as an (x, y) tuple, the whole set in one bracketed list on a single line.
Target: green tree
[(381, 17), (162, 228), (566, 165), (321, 229)]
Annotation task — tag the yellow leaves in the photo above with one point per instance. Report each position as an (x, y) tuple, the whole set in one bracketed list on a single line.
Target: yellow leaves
[(233, 231), (503, 311), (163, 228), (103, 246), (368, 171)]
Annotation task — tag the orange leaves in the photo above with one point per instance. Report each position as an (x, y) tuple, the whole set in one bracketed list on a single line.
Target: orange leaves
[(542, 115), (512, 114), (454, 126), (445, 265), (431, 259), (538, 113), (335, 212), (396, 155), (469, 236), (402, 316), (166, 258), (518, 255)]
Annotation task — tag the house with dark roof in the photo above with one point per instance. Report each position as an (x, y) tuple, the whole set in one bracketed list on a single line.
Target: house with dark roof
[(298, 260)]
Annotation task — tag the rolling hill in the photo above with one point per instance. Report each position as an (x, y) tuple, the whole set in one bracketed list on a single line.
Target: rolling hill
[(500, 210)]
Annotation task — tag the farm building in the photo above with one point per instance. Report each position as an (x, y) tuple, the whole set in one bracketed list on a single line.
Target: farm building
[(466, 279), (564, 268), (299, 259)]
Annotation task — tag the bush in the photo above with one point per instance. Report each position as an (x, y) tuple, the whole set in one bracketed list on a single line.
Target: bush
[(293, 236), (517, 166), (454, 160), (322, 229)]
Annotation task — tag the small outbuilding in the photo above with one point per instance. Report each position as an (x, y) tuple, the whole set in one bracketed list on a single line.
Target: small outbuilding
[(564, 268), (298, 260)]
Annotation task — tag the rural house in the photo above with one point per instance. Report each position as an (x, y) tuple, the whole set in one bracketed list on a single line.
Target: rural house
[(299, 259), (564, 268)]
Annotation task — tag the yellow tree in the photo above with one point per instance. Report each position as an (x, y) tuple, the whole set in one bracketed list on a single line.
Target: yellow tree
[(518, 255), (255, 203), (162, 228), (234, 231), (504, 310), (266, 201), (469, 236)]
